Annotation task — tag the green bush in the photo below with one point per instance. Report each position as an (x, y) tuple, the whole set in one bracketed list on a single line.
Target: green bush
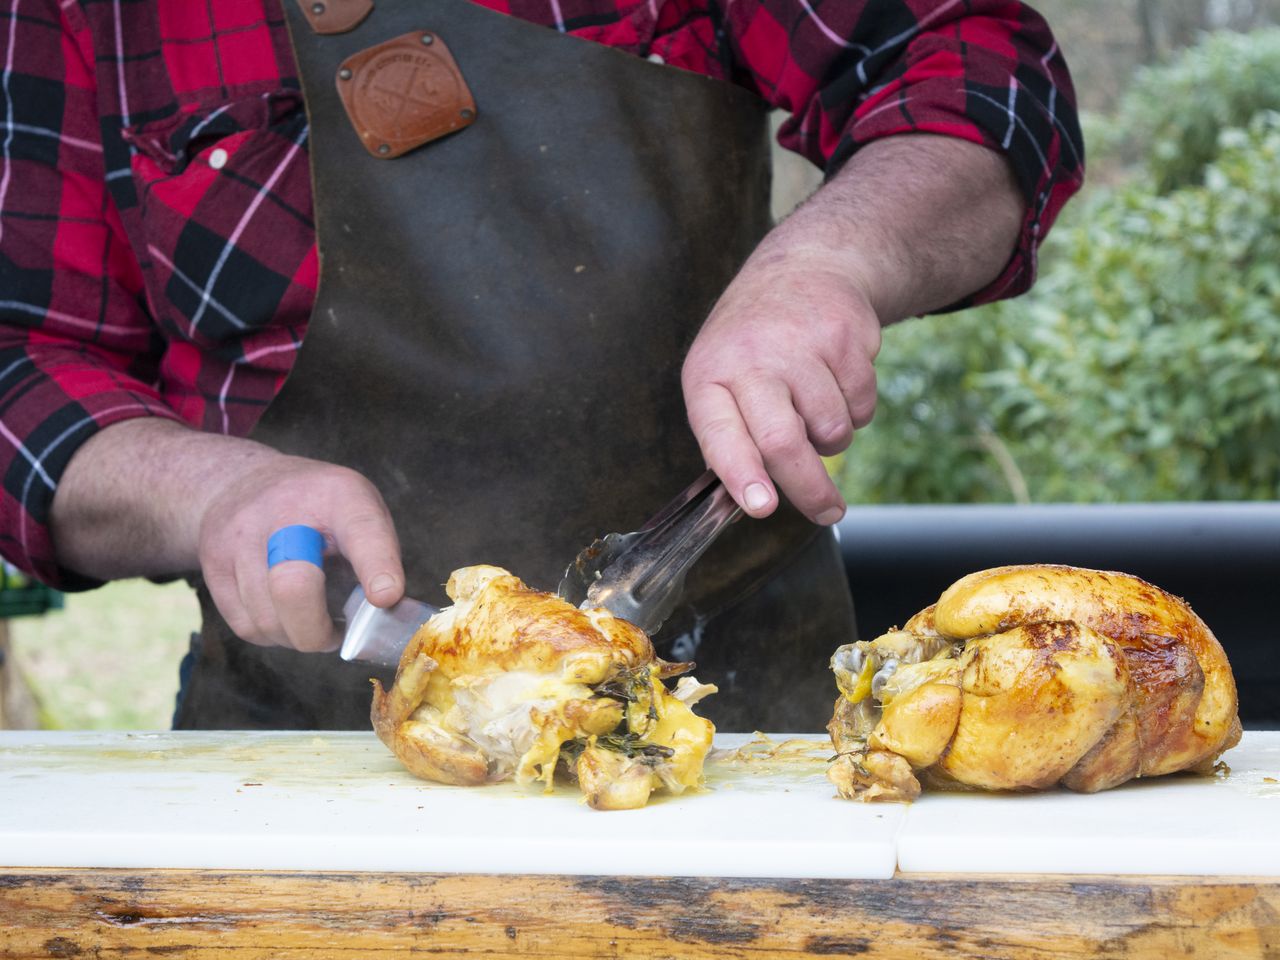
[(1172, 115), (1145, 365)]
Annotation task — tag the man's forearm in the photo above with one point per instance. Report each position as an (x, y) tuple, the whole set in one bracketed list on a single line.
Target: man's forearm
[(921, 220), (132, 498)]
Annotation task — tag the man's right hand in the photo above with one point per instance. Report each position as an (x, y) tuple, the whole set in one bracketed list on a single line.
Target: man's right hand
[(285, 606), (150, 497)]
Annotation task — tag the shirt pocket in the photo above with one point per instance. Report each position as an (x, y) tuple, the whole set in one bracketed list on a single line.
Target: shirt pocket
[(224, 215)]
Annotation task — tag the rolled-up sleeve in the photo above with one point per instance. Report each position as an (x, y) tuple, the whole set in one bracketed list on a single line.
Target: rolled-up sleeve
[(77, 348), (986, 71)]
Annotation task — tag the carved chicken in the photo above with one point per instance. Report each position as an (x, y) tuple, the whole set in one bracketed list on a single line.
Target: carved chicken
[(509, 681), (1023, 677)]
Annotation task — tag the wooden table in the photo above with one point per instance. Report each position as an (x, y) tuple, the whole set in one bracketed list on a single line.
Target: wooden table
[(253, 916)]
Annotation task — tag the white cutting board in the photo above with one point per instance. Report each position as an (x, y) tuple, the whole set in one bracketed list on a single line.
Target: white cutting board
[(1225, 824), (341, 801)]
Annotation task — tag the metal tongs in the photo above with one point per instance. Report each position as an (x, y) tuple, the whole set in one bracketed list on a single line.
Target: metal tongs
[(640, 576), (637, 576)]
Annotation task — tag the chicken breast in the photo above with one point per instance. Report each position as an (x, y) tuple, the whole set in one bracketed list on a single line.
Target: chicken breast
[(511, 682), (1025, 677)]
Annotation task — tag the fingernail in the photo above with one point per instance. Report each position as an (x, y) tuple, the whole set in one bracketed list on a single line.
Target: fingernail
[(828, 517), (756, 496), (382, 583)]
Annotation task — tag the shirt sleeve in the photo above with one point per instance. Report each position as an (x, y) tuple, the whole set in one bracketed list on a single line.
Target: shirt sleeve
[(986, 71), (78, 350)]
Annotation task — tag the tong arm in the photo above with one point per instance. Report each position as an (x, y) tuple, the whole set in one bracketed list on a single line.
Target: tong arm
[(644, 581)]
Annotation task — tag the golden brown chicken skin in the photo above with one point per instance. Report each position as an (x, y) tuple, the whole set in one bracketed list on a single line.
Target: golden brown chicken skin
[(512, 682), (1026, 677)]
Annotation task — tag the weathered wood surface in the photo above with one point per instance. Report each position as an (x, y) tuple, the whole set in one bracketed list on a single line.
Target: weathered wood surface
[(254, 916)]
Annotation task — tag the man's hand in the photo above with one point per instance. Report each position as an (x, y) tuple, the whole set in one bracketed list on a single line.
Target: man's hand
[(285, 606), (781, 374), (149, 497)]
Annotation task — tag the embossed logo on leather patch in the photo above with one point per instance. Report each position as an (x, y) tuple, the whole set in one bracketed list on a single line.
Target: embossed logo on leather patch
[(404, 93), (335, 16)]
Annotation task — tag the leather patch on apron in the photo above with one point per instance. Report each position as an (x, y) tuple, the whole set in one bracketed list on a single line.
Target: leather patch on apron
[(404, 93), (335, 16)]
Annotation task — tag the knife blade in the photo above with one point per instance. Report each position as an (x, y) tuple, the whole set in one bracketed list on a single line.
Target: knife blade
[(379, 635)]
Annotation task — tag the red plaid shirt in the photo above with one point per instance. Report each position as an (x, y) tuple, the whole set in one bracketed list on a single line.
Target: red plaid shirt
[(157, 252)]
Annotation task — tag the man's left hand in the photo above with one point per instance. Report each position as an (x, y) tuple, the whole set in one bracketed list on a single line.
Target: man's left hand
[(779, 377), (781, 374)]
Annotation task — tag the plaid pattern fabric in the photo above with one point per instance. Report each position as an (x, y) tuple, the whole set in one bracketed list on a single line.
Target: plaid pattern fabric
[(157, 253)]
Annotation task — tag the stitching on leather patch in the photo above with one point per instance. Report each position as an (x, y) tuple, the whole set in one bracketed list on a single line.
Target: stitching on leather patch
[(335, 16), (404, 93)]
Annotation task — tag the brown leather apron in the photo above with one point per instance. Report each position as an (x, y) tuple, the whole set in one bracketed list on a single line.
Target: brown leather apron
[(496, 344)]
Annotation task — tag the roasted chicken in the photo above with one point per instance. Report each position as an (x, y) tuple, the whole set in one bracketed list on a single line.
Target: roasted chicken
[(509, 681), (1024, 677)]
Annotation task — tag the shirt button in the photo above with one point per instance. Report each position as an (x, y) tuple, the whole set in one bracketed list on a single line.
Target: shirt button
[(218, 159)]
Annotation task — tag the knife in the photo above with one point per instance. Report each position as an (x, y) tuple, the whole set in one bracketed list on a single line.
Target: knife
[(378, 635)]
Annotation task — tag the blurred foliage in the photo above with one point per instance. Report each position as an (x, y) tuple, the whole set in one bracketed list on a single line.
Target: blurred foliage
[(1172, 116), (109, 661), (1145, 365)]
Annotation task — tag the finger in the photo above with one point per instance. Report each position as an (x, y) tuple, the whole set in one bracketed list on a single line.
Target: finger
[(251, 581), (780, 434), (856, 376), (728, 448), (825, 411), (367, 538), (298, 598)]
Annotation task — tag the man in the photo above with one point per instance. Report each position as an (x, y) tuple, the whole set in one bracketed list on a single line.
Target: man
[(492, 362)]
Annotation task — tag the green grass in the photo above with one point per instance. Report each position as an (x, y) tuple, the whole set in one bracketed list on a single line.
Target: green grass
[(109, 661)]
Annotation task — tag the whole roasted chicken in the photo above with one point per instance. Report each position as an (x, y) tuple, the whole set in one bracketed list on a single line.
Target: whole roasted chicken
[(509, 681), (1024, 677)]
